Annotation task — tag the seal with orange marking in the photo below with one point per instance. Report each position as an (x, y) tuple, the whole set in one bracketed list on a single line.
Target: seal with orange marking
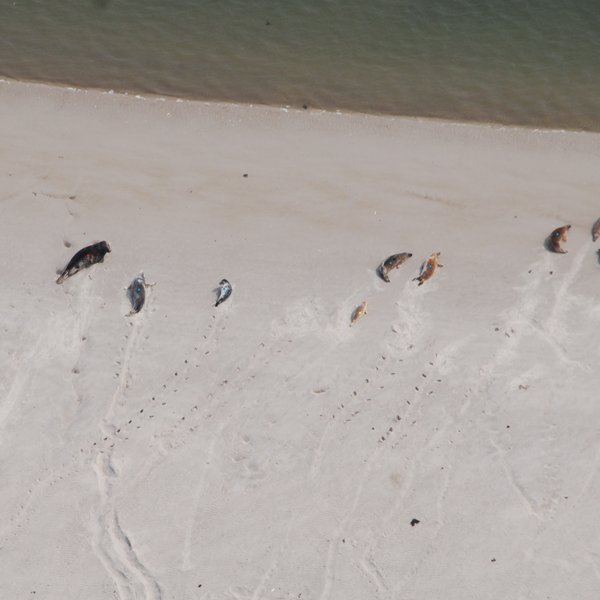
[(556, 237), (428, 269), (359, 312), (392, 262)]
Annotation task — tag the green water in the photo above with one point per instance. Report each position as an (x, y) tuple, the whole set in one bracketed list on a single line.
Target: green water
[(534, 63)]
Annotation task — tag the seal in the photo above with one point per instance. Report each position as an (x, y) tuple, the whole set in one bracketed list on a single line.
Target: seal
[(86, 257), (596, 230), (392, 262), (359, 312), (224, 290), (556, 237), (136, 292), (428, 268)]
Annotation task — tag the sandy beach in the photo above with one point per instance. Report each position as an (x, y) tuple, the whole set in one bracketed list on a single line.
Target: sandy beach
[(265, 449)]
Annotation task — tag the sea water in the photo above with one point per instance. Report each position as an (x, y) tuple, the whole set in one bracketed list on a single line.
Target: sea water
[(526, 62)]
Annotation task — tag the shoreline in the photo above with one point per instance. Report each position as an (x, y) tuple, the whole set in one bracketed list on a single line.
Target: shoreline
[(286, 108)]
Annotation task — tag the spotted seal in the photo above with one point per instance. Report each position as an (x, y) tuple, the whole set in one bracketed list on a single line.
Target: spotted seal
[(136, 292), (392, 262), (428, 269)]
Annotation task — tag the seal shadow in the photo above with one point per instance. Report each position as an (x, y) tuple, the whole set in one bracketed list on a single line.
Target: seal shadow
[(598, 256)]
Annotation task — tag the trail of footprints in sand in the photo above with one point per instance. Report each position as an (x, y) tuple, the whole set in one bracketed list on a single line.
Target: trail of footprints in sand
[(549, 332), (529, 317), (396, 365), (163, 402), (68, 335), (517, 325), (111, 544)]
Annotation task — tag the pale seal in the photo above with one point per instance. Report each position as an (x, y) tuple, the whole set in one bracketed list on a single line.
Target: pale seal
[(224, 290), (86, 257), (359, 312)]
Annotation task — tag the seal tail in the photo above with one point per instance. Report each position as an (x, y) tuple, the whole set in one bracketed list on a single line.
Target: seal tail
[(64, 275), (381, 272)]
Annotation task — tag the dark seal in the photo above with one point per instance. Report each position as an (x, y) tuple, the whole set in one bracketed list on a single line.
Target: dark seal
[(86, 257)]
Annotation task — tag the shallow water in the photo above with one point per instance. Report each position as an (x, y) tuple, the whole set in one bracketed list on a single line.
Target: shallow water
[(529, 62)]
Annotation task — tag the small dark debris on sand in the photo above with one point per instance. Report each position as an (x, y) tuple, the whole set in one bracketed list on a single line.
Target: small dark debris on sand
[(414, 522)]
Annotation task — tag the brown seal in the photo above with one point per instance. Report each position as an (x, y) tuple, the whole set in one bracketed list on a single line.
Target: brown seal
[(392, 262), (596, 230), (358, 313), (428, 269), (556, 237)]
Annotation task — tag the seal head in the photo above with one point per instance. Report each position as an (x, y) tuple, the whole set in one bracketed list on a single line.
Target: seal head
[(556, 237)]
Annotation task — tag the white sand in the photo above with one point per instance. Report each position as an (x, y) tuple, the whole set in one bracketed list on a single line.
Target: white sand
[(265, 449)]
